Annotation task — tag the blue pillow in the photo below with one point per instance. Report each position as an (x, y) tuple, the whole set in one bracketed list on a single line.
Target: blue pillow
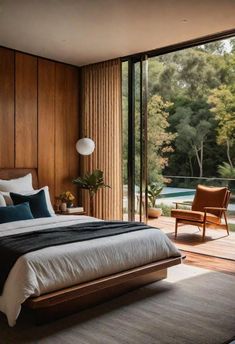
[(37, 203), (15, 213)]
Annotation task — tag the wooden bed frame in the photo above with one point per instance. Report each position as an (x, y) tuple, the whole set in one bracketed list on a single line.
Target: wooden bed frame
[(66, 301), (57, 304)]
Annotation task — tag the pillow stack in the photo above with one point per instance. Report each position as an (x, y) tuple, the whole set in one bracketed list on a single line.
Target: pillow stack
[(19, 200), (37, 203)]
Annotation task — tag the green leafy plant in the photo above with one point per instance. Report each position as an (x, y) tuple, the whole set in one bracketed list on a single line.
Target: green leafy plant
[(226, 171), (92, 182), (154, 190)]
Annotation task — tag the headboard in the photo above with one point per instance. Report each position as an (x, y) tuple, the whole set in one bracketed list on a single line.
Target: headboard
[(11, 173)]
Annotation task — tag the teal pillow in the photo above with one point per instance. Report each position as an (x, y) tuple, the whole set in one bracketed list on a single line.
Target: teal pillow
[(15, 213), (37, 203)]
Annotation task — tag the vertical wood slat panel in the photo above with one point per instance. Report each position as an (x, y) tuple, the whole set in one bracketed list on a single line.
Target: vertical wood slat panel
[(66, 128), (101, 97), (25, 111), (61, 160), (28, 121), (46, 124), (7, 122), (72, 125)]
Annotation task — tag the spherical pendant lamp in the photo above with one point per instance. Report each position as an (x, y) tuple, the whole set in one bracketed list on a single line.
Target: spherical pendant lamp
[(85, 146)]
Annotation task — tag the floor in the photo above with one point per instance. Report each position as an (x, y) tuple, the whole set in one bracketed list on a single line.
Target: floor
[(143, 316), (217, 252), (209, 262), (192, 306)]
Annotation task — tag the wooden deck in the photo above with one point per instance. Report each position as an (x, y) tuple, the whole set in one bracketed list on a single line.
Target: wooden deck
[(217, 252)]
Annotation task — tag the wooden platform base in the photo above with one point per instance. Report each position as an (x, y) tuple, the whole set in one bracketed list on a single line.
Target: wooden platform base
[(58, 304)]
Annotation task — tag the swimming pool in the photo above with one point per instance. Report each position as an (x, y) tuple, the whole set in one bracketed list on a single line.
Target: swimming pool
[(176, 192)]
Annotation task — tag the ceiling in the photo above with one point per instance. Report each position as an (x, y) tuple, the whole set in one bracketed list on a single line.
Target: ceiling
[(86, 31)]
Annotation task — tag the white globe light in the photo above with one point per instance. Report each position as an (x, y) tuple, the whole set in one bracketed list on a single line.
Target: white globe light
[(85, 146)]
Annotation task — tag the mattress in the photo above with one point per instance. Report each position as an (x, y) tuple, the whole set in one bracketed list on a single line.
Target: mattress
[(58, 267)]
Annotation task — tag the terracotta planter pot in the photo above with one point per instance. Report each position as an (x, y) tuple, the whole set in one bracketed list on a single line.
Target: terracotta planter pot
[(154, 212)]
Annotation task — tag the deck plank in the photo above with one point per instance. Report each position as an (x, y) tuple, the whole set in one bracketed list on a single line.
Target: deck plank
[(217, 252)]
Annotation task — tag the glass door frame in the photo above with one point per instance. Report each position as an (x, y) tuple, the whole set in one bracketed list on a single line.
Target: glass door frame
[(132, 59), (143, 91)]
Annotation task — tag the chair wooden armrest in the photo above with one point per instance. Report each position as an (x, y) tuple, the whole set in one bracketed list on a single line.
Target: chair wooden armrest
[(187, 203), (215, 208)]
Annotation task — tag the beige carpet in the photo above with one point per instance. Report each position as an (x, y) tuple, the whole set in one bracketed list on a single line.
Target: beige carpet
[(192, 306)]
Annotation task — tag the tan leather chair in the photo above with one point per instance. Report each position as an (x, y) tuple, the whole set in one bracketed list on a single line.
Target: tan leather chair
[(208, 208)]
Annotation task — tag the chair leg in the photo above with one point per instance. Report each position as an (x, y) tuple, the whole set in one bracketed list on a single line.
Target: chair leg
[(204, 231), (226, 223), (176, 228)]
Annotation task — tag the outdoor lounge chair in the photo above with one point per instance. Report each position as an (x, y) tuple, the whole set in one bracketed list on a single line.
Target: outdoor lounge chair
[(208, 208)]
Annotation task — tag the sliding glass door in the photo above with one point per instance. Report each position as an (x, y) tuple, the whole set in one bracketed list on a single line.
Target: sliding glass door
[(136, 203)]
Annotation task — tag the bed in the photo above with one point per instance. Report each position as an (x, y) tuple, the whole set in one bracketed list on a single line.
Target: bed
[(58, 280)]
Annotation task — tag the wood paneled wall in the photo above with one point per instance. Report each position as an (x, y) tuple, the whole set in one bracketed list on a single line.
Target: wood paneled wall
[(39, 119), (7, 108), (39, 123), (101, 110)]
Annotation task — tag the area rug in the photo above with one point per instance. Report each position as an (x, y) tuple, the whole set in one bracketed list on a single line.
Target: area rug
[(192, 305)]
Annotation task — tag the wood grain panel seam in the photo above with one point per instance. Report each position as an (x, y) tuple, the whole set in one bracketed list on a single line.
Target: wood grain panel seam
[(37, 119), (14, 109)]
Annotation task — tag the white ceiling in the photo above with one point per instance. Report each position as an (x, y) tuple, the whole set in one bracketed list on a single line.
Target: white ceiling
[(86, 31)]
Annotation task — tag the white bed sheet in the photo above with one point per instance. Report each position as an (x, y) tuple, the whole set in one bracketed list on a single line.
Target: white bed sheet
[(57, 267)]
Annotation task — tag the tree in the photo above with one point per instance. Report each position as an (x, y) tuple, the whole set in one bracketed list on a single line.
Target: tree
[(198, 70), (191, 140), (193, 123), (159, 137), (186, 79), (222, 102), (125, 119), (232, 44), (217, 47)]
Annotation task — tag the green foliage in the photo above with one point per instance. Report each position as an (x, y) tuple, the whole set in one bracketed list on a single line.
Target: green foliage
[(125, 119), (231, 227), (154, 190), (92, 182), (192, 130), (222, 100), (226, 171), (191, 112), (166, 209), (159, 137)]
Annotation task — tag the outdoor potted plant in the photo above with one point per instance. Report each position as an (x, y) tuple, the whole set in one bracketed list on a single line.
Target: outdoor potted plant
[(92, 182), (154, 190)]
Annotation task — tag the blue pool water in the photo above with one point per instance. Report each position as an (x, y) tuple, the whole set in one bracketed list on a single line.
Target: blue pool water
[(176, 192)]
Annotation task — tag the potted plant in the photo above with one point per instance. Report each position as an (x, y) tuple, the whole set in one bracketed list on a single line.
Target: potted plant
[(154, 190), (66, 199), (91, 182)]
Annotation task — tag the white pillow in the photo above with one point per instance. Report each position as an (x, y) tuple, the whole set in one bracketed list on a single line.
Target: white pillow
[(22, 184), (2, 201), (8, 199)]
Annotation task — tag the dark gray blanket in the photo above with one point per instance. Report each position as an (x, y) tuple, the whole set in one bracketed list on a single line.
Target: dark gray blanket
[(14, 246)]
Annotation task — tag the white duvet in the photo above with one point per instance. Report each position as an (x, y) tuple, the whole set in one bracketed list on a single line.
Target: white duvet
[(57, 267)]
